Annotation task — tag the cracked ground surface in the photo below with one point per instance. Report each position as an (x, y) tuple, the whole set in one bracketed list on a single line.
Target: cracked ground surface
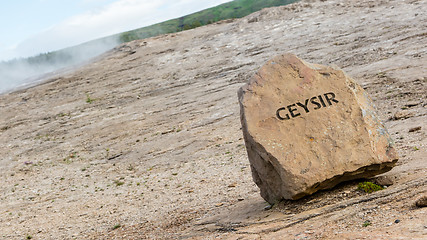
[(145, 141)]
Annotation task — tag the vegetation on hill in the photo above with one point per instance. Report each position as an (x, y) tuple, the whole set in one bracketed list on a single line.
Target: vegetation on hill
[(234, 9)]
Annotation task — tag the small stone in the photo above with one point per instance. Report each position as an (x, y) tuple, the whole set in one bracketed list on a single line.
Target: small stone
[(404, 114), (397, 221), (268, 207), (422, 201), (414, 129), (384, 180), (412, 103)]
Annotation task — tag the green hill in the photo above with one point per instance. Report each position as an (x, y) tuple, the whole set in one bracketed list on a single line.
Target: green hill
[(234, 9)]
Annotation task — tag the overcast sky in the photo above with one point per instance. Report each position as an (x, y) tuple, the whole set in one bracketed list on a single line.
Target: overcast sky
[(30, 27)]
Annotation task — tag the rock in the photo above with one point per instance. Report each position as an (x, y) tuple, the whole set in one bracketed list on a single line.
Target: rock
[(268, 207), (309, 127), (412, 103), (403, 114), (421, 202), (384, 180), (414, 129)]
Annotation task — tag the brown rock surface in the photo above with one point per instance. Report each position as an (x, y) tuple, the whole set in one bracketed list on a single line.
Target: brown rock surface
[(157, 149), (309, 127)]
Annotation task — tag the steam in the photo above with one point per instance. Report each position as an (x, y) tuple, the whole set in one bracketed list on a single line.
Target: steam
[(21, 72)]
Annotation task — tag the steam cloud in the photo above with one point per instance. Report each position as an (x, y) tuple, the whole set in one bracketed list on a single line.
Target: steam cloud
[(21, 72)]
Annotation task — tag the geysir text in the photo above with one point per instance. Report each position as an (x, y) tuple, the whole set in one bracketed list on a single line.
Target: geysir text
[(314, 103)]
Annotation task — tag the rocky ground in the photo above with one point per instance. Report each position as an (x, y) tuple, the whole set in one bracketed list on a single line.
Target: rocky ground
[(145, 142)]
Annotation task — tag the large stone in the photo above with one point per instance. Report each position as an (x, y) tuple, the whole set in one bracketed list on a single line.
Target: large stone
[(309, 127)]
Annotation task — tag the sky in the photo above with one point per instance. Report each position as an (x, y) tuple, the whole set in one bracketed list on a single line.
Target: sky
[(30, 27)]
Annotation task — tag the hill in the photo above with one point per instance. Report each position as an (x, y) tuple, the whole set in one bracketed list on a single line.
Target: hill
[(230, 10), (23, 71), (145, 141)]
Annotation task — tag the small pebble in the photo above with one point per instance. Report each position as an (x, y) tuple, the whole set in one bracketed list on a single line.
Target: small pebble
[(397, 221), (404, 114), (268, 207), (384, 180), (412, 103), (414, 129), (422, 201)]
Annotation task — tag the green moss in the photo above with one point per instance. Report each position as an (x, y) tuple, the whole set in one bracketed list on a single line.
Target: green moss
[(366, 223), (369, 187), (89, 99), (118, 183)]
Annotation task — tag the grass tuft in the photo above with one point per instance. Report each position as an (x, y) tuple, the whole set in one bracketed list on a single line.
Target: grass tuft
[(367, 223), (369, 187), (118, 183), (89, 99)]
